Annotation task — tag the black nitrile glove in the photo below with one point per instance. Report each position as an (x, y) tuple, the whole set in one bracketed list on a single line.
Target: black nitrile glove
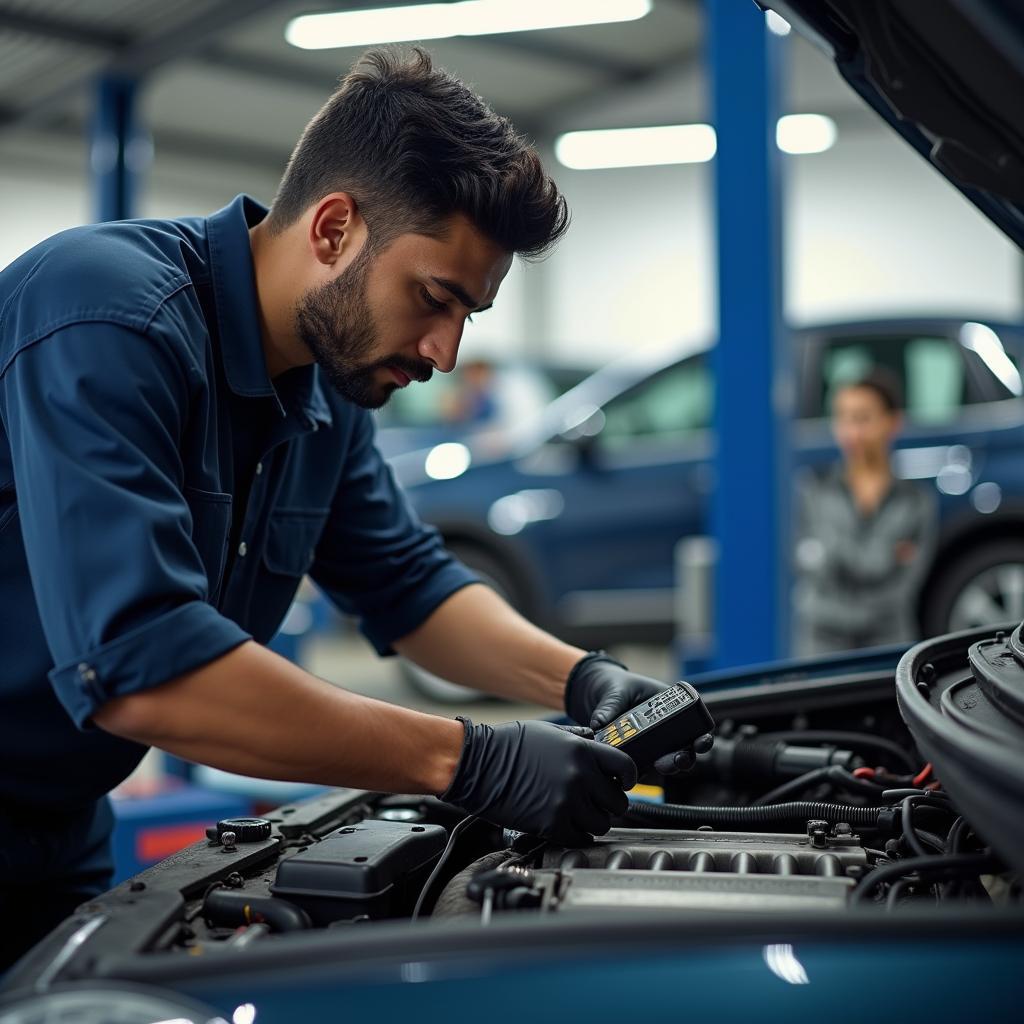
[(542, 779), (600, 689)]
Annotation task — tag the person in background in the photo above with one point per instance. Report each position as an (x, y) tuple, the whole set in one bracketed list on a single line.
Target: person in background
[(864, 536), (474, 401)]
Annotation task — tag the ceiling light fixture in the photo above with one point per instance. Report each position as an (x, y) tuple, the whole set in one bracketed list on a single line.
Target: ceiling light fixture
[(636, 147), (464, 18), (681, 143), (805, 133)]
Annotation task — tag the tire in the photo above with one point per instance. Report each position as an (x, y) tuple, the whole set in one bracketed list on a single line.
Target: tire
[(984, 587), (494, 574)]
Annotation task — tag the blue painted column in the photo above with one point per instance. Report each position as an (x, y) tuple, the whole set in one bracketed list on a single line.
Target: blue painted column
[(118, 153), (749, 517)]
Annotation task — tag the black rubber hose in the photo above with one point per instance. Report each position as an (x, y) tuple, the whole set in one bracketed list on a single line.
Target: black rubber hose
[(230, 908), (965, 864), (847, 780), (757, 817), (907, 817), (854, 740), (832, 773), (453, 900), (794, 786), (937, 843)]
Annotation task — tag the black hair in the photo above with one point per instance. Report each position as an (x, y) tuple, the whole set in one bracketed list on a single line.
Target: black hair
[(882, 383), (413, 145)]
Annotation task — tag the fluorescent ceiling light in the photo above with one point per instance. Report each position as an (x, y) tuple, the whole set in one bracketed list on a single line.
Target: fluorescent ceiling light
[(464, 18), (805, 133), (681, 143), (637, 147)]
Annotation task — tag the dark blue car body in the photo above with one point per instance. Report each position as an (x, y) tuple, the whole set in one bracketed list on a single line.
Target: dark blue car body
[(578, 515)]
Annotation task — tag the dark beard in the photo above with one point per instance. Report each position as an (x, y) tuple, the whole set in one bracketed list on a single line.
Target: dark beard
[(335, 323)]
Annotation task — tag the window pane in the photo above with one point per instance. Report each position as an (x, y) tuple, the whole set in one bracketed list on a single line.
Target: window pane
[(666, 408), (935, 380), (929, 370)]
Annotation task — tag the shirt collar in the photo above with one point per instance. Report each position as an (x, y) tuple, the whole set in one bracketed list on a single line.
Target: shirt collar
[(238, 325)]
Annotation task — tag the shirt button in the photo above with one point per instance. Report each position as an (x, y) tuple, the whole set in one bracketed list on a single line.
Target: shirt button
[(87, 673), (243, 549), (259, 468)]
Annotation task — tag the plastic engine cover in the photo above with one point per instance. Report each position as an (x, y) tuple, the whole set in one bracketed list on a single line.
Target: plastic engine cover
[(372, 869)]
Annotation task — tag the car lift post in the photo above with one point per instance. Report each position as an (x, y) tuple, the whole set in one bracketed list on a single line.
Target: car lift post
[(753, 382), (118, 151)]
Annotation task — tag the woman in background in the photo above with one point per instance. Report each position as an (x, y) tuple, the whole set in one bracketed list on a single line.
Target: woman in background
[(864, 537)]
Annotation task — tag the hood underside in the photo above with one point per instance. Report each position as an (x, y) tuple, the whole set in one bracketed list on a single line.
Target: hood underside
[(948, 75)]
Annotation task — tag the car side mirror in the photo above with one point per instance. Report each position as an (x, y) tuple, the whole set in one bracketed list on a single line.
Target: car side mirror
[(583, 436)]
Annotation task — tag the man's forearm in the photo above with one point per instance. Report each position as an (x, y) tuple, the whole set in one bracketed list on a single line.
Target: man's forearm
[(475, 638), (255, 713)]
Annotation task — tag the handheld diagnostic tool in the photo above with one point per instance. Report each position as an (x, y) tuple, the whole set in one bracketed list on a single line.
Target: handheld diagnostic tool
[(668, 722)]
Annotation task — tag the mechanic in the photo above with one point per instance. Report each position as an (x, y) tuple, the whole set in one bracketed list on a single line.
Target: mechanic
[(864, 536), (185, 435)]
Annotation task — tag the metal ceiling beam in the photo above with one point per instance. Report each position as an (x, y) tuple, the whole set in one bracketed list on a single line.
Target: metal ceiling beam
[(190, 36), (586, 102), (531, 45), (62, 30), (199, 146), (131, 57), (192, 146), (284, 72), (113, 42)]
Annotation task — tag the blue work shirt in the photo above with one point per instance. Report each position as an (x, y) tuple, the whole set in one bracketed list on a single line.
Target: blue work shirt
[(135, 405)]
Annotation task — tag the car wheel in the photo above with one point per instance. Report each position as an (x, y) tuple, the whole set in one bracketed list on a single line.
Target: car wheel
[(425, 683), (983, 588)]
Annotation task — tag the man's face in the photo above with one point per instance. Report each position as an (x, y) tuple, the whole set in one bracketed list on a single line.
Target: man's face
[(395, 316), (862, 425)]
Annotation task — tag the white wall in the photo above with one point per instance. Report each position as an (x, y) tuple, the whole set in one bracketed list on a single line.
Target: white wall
[(44, 188), (870, 229), (873, 228), (638, 264)]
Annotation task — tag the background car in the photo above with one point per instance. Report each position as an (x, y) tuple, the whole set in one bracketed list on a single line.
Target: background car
[(576, 516), (420, 416)]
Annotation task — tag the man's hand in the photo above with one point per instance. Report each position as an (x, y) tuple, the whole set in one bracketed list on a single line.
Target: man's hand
[(599, 689), (540, 778)]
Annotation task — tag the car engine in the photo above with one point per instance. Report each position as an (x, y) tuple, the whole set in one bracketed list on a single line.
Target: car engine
[(816, 802)]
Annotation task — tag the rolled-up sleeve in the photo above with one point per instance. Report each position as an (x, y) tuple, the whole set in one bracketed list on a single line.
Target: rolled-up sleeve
[(375, 559), (94, 414)]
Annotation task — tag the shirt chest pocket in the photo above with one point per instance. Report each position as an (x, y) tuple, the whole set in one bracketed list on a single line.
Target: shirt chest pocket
[(292, 537), (211, 526)]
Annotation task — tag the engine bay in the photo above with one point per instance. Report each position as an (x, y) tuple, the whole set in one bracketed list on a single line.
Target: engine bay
[(815, 802)]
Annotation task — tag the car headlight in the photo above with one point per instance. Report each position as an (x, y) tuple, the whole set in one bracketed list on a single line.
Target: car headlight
[(88, 1003)]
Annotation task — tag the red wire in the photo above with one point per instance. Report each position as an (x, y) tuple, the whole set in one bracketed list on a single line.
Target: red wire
[(863, 773), (923, 774)]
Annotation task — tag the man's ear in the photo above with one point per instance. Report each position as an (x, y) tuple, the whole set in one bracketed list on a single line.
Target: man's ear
[(337, 230)]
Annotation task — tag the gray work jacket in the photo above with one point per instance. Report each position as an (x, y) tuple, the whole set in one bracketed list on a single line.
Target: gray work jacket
[(852, 589)]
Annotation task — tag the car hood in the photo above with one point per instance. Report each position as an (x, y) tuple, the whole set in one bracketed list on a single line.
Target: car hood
[(948, 75)]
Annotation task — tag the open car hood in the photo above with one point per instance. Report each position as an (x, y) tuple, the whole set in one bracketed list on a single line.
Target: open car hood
[(948, 75)]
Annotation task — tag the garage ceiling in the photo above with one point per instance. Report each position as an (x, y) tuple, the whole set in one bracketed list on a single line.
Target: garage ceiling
[(222, 82)]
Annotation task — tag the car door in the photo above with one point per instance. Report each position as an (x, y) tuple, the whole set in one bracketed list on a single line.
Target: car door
[(641, 483), (944, 443)]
